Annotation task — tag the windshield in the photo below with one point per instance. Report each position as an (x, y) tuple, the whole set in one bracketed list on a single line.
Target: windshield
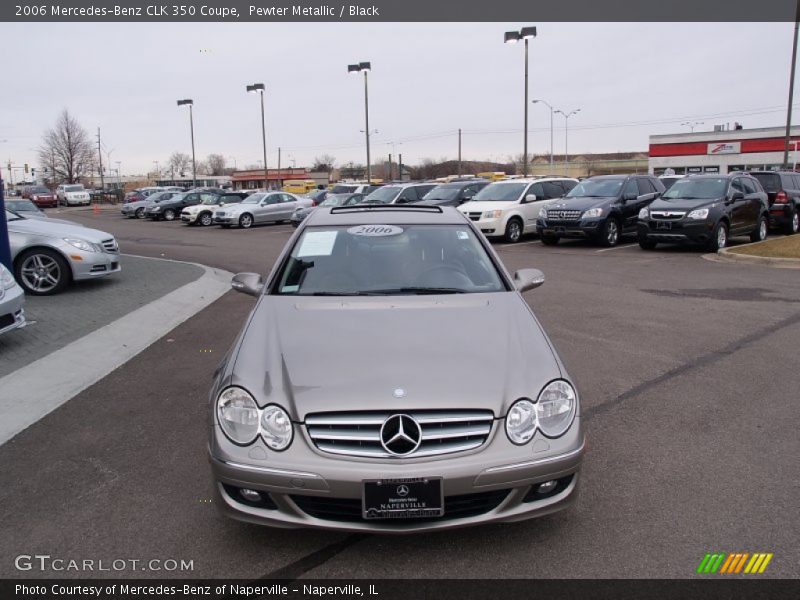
[(669, 181), (21, 205), (500, 192), (336, 199), (384, 194), (341, 189), (443, 192), (10, 216), (771, 182), (210, 200), (387, 260), (603, 188), (73, 188), (705, 188), (161, 196), (253, 199), (40, 190)]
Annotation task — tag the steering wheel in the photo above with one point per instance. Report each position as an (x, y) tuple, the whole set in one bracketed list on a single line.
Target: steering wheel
[(451, 277)]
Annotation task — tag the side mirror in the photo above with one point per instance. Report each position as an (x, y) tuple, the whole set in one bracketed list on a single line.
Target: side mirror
[(629, 196), (248, 283), (530, 198), (737, 195), (528, 279)]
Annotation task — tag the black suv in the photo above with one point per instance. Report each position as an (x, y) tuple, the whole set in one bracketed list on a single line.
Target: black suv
[(706, 209), (600, 208), (783, 191), (170, 209), (454, 193)]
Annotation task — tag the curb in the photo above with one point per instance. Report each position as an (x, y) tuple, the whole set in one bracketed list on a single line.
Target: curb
[(725, 255), (49, 382)]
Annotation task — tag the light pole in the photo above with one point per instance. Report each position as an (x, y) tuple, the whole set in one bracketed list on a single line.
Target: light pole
[(512, 37), (259, 88), (119, 174), (158, 170), (548, 105), (364, 67), (188, 102), (566, 134), (692, 124)]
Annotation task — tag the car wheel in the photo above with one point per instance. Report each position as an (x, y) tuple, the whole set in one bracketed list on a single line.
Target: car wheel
[(245, 221), (759, 234), (169, 215), (205, 219), (793, 224), (513, 231), (550, 240), (42, 272), (646, 244), (719, 237), (609, 233), (139, 214)]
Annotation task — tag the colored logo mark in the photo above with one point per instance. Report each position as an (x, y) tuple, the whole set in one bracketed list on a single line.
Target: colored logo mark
[(737, 562)]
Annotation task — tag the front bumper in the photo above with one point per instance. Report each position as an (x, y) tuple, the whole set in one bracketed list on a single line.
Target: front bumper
[(580, 229), (12, 315), (93, 265), (680, 231), (189, 217), (489, 227), (319, 490), (77, 201), (226, 220)]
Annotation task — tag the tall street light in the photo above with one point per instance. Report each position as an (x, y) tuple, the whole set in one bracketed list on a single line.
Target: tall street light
[(364, 67), (259, 89), (512, 37), (548, 105), (188, 102), (566, 134)]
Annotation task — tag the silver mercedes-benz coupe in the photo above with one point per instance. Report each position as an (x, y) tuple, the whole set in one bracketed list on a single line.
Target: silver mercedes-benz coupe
[(391, 378)]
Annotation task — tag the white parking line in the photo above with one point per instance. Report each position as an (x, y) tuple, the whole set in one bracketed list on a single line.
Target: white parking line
[(518, 244), (617, 247)]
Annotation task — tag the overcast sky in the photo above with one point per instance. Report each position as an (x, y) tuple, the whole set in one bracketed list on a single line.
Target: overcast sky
[(428, 80)]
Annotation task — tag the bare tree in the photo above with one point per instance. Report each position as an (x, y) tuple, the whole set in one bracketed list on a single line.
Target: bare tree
[(68, 149), (215, 164), (324, 163), (179, 163)]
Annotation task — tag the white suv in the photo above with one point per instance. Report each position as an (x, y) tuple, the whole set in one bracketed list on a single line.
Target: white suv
[(72, 194), (510, 208)]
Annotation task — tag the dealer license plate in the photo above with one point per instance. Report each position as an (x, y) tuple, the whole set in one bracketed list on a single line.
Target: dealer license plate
[(408, 498)]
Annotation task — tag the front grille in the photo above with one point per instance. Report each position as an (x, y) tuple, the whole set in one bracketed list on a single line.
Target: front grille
[(350, 509), (666, 215), (110, 245), (475, 216), (563, 215), (358, 433)]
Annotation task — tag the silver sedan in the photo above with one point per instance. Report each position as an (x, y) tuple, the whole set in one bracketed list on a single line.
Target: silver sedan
[(12, 299), (269, 207)]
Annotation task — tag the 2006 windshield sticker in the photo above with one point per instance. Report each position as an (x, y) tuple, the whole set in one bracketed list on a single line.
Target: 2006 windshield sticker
[(375, 230)]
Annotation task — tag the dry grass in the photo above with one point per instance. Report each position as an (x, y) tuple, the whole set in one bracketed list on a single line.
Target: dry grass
[(785, 247)]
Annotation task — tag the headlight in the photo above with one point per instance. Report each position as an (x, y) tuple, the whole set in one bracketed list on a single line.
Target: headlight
[(81, 244), (492, 214), (521, 422), (552, 413), (555, 408), (543, 213), (276, 427), (6, 278), (699, 213), (644, 214), (238, 416), (592, 212)]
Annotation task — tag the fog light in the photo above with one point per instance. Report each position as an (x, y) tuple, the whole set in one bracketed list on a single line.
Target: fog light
[(250, 495), (544, 488)]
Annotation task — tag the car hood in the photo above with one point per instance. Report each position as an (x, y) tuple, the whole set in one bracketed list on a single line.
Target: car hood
[(58, 229), (50, 219), (196, 208), (682, 203), (475, 206), (328, 354), (583, 203), (238, 207)]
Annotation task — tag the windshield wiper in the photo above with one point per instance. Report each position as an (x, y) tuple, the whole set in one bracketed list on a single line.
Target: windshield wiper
[(417, 290)]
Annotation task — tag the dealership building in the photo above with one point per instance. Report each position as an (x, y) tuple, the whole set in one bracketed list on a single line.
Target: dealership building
[(721, 151)]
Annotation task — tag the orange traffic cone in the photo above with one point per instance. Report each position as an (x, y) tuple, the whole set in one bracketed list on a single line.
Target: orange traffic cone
[(96, 208)]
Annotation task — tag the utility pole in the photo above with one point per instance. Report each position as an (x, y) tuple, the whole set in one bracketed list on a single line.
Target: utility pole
[(100, 154), (390, 168), (280, 180), (791, 88), (400, 167), (459, 152)]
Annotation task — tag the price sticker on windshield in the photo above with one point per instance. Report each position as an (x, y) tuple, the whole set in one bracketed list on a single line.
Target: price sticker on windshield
[(375, 230)]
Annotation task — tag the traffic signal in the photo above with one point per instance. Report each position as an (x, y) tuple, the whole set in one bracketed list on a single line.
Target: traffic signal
[(26, 167), (33, 172)]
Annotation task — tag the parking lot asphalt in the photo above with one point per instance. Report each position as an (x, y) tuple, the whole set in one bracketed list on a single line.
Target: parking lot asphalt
[(688, 374)]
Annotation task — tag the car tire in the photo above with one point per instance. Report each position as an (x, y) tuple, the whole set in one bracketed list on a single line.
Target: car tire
[(793, 223), (246, 221), (169, 215), (759, 234), (513, 233), (205, 219), (610, 233), (550, 240), (719, 237), (41, 258), (139, 214)]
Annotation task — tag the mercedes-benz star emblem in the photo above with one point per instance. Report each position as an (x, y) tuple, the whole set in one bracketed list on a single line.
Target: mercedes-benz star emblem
[(400, 435), (402, 490), (399, 393)]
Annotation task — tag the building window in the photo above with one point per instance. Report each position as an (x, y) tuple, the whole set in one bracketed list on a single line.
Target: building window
[(711, 169), (693, 170)]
